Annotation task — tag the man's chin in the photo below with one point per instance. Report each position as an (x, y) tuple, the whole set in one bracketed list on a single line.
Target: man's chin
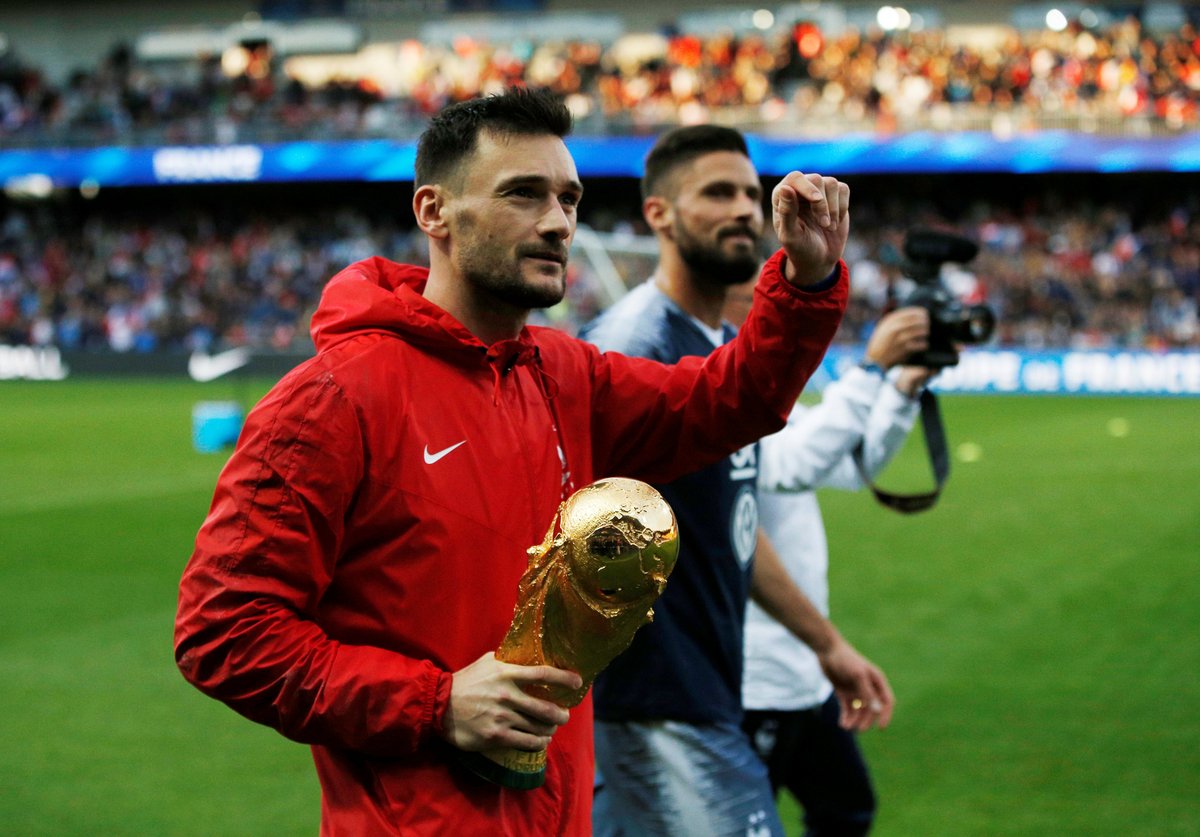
[(549, 279), (547, 300), (735, 271), (729, 263), (539, 291)]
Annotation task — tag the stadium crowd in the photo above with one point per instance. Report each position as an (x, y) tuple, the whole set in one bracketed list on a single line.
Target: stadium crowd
[(1085, 275), (799, 77)]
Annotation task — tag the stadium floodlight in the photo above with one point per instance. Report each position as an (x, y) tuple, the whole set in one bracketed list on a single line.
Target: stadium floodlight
[(1056, 21), (892, 18), (29, 187)]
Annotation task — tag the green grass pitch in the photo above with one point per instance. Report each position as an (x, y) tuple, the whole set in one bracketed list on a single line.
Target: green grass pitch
[(1041, 625)]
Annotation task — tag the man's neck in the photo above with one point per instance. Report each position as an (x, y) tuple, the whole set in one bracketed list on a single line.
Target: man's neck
[(488, 320), (698, 299)]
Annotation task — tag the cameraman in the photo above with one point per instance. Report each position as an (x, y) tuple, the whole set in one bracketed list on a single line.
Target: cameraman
[(793, 716)]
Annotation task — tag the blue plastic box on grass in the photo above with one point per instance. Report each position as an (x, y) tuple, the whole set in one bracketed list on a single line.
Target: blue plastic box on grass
[(215, 425)]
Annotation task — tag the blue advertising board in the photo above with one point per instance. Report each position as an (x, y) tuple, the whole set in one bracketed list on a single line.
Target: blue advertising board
[(996, 371), (388, 160), (1005, 371)]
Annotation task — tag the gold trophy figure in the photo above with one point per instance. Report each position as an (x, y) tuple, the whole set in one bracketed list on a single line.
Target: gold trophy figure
[(589, 586)]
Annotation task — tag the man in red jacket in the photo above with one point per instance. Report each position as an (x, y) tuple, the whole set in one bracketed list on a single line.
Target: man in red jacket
[(360, 560)]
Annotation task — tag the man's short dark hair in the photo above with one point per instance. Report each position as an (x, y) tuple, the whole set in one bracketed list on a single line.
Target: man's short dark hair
[(680, 146), (453, 134)]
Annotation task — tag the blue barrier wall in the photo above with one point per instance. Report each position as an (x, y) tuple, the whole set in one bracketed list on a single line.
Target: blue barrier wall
[(979, 370)]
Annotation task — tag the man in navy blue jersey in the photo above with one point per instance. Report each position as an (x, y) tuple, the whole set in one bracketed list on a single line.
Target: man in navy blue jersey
[(671, 756)]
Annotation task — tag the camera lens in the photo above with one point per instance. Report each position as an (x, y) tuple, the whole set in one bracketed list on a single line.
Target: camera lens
[(976, 325)]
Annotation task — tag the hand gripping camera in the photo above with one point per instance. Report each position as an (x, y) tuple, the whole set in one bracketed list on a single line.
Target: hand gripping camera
[(951, 323)]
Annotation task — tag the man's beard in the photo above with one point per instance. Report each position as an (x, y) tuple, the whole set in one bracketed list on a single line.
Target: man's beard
[(510, 288), (712, 265), (498, 274)]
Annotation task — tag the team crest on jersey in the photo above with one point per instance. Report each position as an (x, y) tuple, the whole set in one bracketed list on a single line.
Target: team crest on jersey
[(743, 525)]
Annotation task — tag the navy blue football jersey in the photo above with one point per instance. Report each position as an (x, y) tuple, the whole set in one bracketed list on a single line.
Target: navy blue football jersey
[(686, 665)]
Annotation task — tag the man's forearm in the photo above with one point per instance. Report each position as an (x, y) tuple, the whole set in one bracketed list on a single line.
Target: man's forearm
[(775, 592)]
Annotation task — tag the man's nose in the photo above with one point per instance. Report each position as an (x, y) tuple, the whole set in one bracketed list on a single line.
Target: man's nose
[(556, 222), (748, 207)]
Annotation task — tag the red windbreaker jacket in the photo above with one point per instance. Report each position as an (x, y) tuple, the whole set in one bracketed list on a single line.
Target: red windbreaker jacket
[(366, 537)]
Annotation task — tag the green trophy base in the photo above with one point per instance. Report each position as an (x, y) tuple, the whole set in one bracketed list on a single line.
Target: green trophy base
[(513, 769)]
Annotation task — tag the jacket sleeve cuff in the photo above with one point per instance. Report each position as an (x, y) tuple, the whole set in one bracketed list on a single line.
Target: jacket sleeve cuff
[(439, 702), (774, 271)]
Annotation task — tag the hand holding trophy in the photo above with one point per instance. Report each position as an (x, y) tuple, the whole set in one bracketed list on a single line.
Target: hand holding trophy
[(589, 586)]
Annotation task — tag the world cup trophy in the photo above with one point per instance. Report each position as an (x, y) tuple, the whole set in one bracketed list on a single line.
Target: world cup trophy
[(589, 586)]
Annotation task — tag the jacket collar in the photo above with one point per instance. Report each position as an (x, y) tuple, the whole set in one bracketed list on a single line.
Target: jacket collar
[(377, 295)]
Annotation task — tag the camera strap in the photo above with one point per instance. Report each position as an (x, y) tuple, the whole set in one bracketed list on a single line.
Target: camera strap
[(939, 460)]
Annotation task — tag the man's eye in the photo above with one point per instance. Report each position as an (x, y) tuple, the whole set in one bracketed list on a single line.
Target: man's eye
[(570, 200)]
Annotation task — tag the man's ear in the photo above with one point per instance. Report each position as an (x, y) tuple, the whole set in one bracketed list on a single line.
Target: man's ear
[(659, 213), (429, 208)]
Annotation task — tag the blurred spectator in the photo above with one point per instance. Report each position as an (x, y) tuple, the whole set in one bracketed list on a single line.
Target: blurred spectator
[(1086, 275), (1118, 79)]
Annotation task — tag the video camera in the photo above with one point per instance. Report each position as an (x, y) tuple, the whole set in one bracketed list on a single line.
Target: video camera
[(950, 321)]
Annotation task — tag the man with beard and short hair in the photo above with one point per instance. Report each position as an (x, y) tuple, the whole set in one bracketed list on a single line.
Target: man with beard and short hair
[(360, 561), (671, 755)]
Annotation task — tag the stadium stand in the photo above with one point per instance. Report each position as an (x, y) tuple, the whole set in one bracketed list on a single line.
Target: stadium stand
[(1061, 272), (1095, 270), (798, 80)]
